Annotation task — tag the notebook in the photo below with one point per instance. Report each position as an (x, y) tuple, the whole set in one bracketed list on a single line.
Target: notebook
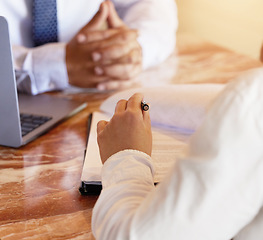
[(167, 147), (25, 117), (176, 112)]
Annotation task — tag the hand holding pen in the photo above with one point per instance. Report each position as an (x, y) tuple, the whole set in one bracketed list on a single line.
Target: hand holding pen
[(129, 128)]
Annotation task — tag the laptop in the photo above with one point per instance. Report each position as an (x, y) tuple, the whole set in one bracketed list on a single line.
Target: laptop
[(25, 117)]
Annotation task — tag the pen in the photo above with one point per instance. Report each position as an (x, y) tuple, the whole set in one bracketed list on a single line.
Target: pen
[(144, 106)]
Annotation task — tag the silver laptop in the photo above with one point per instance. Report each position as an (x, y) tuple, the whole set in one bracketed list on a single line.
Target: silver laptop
[(25, 117)]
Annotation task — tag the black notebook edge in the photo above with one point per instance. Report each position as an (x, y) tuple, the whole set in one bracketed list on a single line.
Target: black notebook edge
[(90, 189)]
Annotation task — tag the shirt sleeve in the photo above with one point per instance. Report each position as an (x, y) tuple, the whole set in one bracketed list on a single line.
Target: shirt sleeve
[(211, 194), (127, 176), (156, 21), (40, 69), (157, 24)]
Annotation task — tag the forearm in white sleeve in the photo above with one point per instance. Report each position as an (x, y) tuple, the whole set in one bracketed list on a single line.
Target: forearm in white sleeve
[(157, 24), (40, 69), (211, 194), (127, 178)]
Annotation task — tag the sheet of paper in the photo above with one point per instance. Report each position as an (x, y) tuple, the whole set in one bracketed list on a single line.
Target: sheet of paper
[(92, 163), (176, 112), (181, 107), (167, 147)]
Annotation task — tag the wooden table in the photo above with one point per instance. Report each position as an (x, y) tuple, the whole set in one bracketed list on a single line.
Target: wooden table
[(39, 182)]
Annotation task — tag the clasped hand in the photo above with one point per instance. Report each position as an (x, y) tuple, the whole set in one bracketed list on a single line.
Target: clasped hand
[(103, 58), (129, 128)]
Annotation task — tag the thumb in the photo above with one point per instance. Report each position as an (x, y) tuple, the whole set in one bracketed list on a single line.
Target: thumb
[(114, 20), (101, 125), (97, 22)]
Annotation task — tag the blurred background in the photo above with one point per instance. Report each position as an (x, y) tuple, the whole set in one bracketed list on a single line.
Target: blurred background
[(234, 24)]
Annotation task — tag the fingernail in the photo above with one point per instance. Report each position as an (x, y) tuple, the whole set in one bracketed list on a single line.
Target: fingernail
[(98, 70), (101, 6), (81, 38), (96, 56)]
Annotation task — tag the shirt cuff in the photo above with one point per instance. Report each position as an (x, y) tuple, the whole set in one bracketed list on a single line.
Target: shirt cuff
[(47, 68), (127, 165)]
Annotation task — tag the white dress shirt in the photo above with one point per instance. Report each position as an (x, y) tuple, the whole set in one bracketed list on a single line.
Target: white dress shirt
[(156, 21), (216, 192)]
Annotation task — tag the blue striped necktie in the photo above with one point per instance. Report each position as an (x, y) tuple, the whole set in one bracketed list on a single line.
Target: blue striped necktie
[(44, 22)]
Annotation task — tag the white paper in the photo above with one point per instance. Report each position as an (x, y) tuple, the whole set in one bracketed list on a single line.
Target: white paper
[(167, 147), (180, 107), (176, 111), (92, 164)]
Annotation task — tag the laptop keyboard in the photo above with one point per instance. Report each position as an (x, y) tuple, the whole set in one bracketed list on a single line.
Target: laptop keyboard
[(30, 122)]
